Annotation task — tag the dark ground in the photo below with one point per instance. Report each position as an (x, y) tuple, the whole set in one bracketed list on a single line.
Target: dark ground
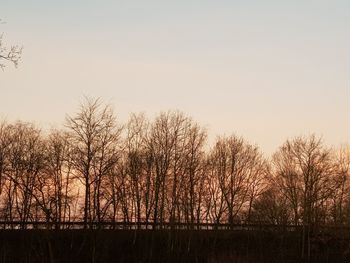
[(166, 246)]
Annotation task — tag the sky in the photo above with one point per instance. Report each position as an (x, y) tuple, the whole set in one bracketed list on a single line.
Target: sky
[(265, 70)]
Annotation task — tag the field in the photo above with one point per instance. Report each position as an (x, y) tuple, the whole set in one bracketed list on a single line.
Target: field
[(212, 246)]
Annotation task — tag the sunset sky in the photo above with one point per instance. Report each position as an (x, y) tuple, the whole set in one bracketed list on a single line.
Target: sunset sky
[(266, 70)]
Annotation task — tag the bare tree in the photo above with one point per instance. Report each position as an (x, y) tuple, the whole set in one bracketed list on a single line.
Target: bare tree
[(10, 54), (59, 177), (5, 148), (271, 207), (236, 167), (304, 172), (340, 195), (257, 182), (27, 162), (192, 182), (160, 143), (93, 134), (136, 165)]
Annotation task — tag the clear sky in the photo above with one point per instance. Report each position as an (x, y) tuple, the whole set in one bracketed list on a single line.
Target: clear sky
[(266, 70)]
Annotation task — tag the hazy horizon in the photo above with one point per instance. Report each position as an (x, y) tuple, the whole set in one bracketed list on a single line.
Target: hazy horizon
[(265, 71)]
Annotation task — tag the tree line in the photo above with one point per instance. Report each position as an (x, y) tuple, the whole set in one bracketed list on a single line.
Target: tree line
[(162, 171)]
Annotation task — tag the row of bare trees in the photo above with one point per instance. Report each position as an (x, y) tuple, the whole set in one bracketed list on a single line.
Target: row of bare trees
[(162, 171)]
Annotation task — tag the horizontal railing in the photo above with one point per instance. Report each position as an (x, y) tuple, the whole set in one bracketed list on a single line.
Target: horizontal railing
[(163, 226), (142, 225)]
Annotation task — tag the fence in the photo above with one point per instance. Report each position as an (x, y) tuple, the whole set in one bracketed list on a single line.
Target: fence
[(142, 226)]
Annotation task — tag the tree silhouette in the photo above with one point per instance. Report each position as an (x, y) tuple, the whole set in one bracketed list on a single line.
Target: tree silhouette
[(159, 172), (93, 134)]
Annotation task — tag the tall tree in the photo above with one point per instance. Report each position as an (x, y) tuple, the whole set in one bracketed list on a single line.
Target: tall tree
[(304, 172), (340, 197), (58, 174), (93, 134), (27, 162), (235, 166)]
